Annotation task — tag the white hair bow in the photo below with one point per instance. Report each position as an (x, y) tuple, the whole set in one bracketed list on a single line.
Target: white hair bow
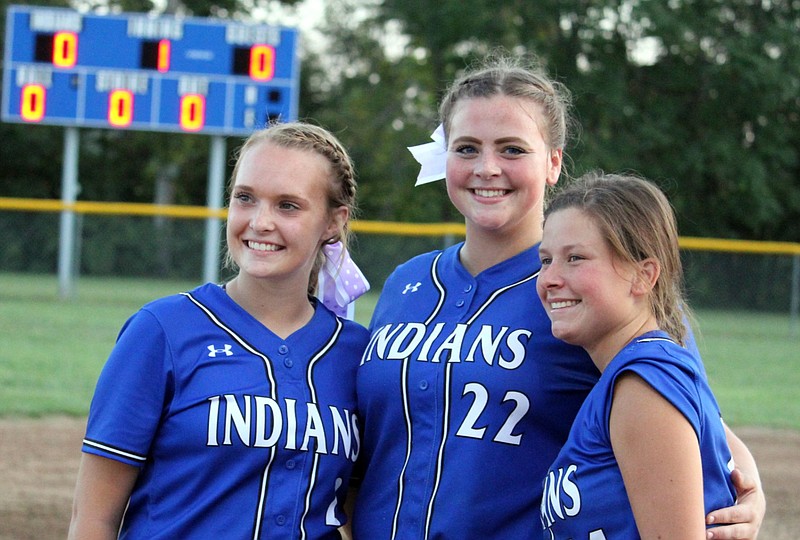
[(432, 156)]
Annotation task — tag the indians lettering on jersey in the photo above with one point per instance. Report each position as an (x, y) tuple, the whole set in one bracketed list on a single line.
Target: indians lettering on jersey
[(501, 346), (263, 424), (561, 499)]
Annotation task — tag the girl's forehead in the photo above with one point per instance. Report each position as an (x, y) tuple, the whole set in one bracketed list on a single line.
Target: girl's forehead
[(269, 163), (523, 105), (572, 221), (499, 112), (268, 152)]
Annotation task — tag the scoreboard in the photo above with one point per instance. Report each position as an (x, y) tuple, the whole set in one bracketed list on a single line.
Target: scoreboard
[(141, 72)]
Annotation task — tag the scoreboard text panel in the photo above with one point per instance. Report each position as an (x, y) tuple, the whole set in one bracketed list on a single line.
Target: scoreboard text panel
[(136, 71)]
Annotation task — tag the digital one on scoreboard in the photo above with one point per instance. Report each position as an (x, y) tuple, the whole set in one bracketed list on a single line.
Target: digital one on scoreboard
[(136, 71)]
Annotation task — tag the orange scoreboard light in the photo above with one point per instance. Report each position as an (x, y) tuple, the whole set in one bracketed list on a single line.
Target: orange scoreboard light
[(136, 71)]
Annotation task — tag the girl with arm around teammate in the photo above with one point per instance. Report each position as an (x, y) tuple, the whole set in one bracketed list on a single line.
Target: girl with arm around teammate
[(463, 390), (229, 411), (647, 455)]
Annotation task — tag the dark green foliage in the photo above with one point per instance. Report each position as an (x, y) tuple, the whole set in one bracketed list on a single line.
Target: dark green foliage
[(713, 117)]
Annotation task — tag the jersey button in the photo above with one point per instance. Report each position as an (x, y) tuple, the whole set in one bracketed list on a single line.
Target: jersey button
[(280, 519), (290, 464), (288, 362), (460, 303), (283, 349), (468, 288), (423, 385)]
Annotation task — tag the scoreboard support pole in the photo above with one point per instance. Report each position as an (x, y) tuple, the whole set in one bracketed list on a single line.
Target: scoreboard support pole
[(216, 189), (68, 253), (69, 194)]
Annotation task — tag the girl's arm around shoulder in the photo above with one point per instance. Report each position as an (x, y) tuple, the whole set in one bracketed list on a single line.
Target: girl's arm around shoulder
[(744, 519), (101, 495), (658, 454), (346, 530)]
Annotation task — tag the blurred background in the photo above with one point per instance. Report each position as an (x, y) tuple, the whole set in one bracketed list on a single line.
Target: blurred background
[(701, 96)]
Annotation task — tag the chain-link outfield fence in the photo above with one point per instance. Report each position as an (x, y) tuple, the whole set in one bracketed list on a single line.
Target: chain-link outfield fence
[(141, 240)]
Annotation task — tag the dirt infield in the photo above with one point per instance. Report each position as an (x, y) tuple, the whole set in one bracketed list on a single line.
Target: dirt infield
[(40, 459)]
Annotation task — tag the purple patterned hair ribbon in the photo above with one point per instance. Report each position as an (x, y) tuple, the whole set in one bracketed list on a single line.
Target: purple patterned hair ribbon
[(340, 281), (432, 157)]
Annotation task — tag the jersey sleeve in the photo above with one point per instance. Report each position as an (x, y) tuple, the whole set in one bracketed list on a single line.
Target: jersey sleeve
[(131, 393), (677, 384)]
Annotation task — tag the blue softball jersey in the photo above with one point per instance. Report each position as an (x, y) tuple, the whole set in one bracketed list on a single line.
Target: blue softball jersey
[(465, 398), (237, 432), (584, 495)]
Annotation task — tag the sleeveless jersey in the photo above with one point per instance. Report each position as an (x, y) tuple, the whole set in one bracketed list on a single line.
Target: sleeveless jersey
[(584, 495)]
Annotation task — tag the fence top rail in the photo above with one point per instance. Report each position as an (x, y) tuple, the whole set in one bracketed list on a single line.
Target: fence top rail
[(739, 246), (370, 227)]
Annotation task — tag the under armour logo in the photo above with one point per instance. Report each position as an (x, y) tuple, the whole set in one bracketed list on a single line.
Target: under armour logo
[(213, 351), (412, 288)]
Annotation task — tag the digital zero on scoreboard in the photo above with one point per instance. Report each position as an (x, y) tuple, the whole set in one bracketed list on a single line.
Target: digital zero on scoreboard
[(136, 71)]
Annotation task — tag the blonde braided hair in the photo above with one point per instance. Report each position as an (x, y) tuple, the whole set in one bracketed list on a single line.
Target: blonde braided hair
[(310, 137)]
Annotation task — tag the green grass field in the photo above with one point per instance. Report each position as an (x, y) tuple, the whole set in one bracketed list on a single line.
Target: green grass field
[(53, 349)]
